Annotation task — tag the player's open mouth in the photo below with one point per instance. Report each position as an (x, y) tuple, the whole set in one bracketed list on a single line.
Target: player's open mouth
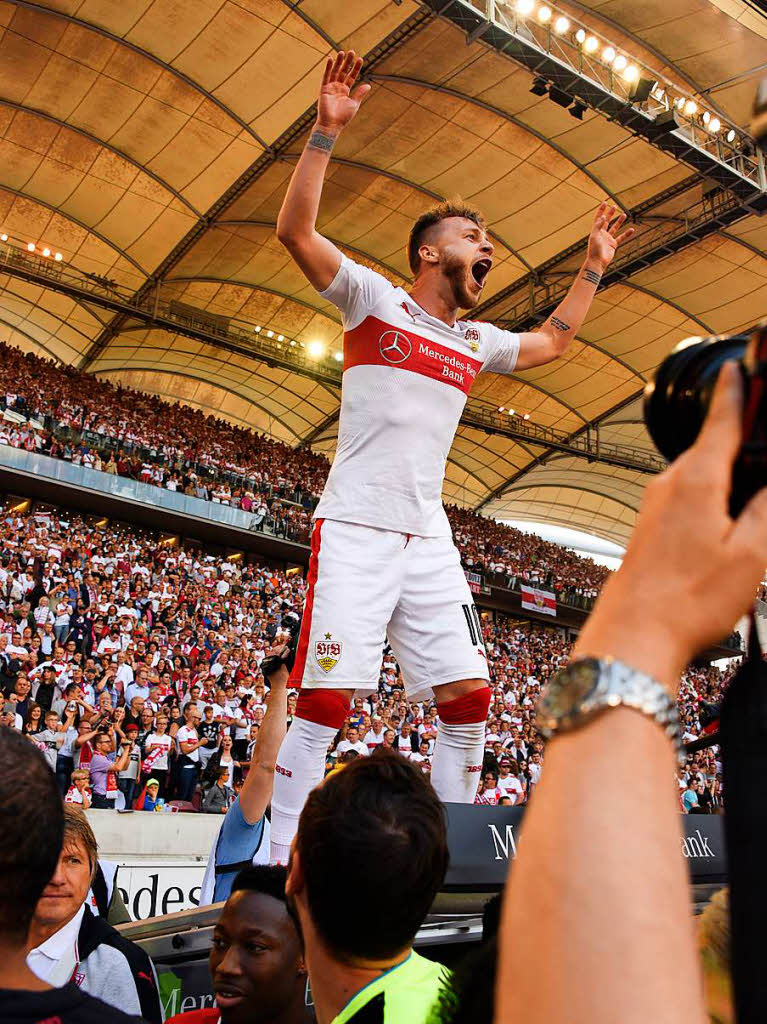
[(480, 270)]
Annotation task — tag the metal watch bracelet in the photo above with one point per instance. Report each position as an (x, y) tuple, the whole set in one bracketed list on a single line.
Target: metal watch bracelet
[(569, 702)]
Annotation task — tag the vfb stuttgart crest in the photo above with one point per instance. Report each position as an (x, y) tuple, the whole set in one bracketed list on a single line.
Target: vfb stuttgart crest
[(472, 336), (328, 652)]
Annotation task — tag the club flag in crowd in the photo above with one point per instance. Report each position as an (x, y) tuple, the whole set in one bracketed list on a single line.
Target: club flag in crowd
[(539, 600)]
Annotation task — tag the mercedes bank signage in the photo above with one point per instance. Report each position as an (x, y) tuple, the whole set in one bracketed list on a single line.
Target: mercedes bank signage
[(485, 841)]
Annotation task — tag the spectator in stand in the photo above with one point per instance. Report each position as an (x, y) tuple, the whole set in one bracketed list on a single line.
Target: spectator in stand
[(157, 747), (407, 741), (50, 739), (690, 795), (103, 770), (188, 741), (67, 941), (35, 722), (492, 794), (223, 759), (182, 613), (210, 731), (149, 797), (30, 845), (219, 796), (127, 778), (508, 781), (78, 792), (375, 736), (352, 741), (422, 756)]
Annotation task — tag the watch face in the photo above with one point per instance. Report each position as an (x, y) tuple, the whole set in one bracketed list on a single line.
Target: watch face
[(569, 689)]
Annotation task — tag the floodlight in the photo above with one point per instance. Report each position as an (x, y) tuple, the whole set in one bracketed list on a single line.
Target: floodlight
[(559, 96), (539, 87), (642, 89)]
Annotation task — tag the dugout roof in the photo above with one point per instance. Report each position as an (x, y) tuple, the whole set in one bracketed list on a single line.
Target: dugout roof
[(152, 140)]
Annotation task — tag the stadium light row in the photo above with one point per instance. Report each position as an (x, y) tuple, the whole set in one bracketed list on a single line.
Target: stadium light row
[(580, 69)]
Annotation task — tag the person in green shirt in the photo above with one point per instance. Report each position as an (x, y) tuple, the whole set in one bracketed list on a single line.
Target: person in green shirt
[(378, 824)]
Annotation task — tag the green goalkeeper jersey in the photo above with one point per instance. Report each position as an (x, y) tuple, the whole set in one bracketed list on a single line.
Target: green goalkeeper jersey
[(406, 992)]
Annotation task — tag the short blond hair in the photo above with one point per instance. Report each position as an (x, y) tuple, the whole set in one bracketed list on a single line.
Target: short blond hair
[(714, 931), (77, 829)]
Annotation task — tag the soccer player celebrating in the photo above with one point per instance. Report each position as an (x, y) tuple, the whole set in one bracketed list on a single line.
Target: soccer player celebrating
[(383, 563)]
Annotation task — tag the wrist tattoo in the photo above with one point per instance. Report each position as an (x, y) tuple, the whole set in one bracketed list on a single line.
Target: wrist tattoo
[(592, 277), (321, 140), (559, 324)]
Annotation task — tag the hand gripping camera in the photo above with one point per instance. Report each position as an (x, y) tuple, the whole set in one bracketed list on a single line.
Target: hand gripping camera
[(272, 662)]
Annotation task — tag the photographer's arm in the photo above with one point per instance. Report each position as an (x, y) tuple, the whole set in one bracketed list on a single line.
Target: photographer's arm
[(257, 789), (597, 923)]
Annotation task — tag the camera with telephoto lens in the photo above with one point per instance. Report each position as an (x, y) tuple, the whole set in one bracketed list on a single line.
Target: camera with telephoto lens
[(676, 403)]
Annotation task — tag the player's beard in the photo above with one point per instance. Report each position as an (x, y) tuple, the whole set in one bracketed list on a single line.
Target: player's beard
[(456, 272)]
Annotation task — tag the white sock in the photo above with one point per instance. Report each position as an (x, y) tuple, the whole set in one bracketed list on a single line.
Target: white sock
[(457, 761), (300, 767)]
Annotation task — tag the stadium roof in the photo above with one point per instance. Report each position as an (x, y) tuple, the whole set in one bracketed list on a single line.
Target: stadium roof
[(150, 142)]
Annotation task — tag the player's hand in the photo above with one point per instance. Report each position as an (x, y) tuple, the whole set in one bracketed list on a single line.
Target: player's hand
[(337, 104), (606, 235)]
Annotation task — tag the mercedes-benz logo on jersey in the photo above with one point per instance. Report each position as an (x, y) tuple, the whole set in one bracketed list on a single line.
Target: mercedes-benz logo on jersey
[(394, 347)]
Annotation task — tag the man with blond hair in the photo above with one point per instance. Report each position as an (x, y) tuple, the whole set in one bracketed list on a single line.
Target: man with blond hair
[(67, 942), (30, 845)]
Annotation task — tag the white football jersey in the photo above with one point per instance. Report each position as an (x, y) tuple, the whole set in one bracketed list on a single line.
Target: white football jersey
[(406, 376)]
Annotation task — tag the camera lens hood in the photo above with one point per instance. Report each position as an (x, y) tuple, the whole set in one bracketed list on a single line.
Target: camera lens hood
[(677, 400)]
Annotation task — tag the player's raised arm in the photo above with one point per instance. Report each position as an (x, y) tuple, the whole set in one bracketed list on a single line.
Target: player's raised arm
[(317, 257), (553, 337)]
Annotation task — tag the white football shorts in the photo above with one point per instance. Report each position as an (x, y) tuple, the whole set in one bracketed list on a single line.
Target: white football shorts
[(366, 585)]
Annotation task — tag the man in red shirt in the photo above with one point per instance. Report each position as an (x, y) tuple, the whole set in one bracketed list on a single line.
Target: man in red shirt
[(256, 961)]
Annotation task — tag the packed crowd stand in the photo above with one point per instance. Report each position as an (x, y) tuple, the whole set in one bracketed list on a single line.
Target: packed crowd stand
[(67, 414), (135, 667)]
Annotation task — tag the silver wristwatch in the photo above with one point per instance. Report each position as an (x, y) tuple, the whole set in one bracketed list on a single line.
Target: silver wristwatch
[(587, 687)]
